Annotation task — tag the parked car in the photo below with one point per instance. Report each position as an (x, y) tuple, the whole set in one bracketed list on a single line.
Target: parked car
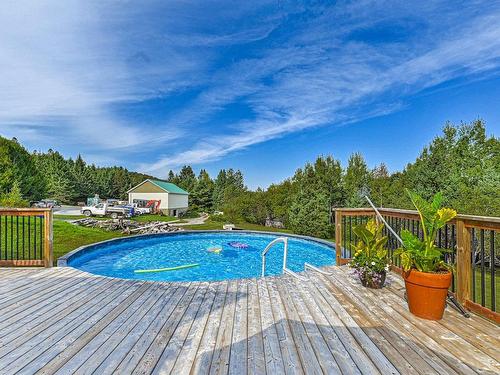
[(103, 209), (45, 203), (139, 210)]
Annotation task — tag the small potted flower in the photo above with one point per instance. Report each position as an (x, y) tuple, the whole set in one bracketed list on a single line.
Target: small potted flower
[(427, 276), (370, 261)]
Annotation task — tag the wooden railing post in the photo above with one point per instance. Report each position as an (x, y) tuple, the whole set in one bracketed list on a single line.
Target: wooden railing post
[(48, 254), (464, 264), (338, 237)]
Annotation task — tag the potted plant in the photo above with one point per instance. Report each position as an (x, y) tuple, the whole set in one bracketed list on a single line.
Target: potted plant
[(370, 260), (427, 277)]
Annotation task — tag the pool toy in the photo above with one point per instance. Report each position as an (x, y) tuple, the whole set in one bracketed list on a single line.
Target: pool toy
[(238, 245), (168, 269), (215, 249)]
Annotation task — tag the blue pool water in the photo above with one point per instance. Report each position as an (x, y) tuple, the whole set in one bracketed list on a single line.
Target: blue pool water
[(120, 259)]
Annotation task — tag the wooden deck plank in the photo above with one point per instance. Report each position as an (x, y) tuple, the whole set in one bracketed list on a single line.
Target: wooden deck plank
[(167, 359), (325, 357), (93, 352), (31, 305), (321, 324), (44, 346), (222, 350), (288, 347), (256, 358), (40, 316), (38, 288), (193, 340), (150, 358), (303, 343), (26, 278), (134, 355), (375, 354), (204, 354), (81, 337), (456, 345), (423, 337), (21, 279), (414, 355), (239, 345), (18, 344), (329, 306), (272, 352), (112, 352), (487, 343), (476, 322), (339, 352)]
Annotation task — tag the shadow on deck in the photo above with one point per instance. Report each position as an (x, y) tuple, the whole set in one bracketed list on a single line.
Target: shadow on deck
[(68, 321)]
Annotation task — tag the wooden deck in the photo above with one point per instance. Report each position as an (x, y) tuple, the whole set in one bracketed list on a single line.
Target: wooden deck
[(65, 321)]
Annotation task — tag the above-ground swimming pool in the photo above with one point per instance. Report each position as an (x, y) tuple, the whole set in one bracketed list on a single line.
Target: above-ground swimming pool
[(218, 255)]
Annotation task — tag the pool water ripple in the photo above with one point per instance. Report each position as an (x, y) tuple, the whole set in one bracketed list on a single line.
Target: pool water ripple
[(120, 259)]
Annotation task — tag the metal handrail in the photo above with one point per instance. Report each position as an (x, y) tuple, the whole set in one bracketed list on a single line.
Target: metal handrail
[(271, 244)]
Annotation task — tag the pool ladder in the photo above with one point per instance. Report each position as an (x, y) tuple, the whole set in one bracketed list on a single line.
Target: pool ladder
[(285, 256)]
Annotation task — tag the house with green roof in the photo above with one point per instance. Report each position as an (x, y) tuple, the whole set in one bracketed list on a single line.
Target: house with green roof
[(168, 197)]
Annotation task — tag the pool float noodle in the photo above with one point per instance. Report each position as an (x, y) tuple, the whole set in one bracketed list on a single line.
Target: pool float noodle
[(168, 269)]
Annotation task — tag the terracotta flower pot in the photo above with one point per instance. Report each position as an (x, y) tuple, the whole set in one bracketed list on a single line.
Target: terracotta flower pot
[(427, 293)]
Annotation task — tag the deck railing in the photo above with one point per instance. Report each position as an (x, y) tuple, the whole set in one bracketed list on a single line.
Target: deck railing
[(26, 237), (472, 241)]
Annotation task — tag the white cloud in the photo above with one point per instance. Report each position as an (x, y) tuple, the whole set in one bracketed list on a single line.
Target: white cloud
[(329, 82), (61, 74), (73, 75)]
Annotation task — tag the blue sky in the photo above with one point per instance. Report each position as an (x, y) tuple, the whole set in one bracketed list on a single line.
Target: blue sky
[(263, 85)]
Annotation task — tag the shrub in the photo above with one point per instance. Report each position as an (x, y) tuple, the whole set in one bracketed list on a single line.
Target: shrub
[(13, 198)]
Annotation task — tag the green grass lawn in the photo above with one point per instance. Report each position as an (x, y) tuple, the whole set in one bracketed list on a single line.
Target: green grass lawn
[(212, 225), (68, 237), (142, 218), (149, 217), (68, 217), (487, 290)]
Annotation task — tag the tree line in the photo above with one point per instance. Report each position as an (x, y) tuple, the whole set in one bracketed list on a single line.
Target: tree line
[(26, 177), (463, 162)]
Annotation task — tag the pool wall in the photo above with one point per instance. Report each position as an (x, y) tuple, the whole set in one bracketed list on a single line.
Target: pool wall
[(65, 259)]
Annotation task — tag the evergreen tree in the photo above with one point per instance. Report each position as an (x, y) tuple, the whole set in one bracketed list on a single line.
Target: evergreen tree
[(309, 213), (13, 198), (202, 194), (328, 172), (172, 177), (17, 165), (186, 179), (83, 180), (379, 185), (57, 172), (234, 185), (463, 163), (219, 188), (357, 181), (278, 198)]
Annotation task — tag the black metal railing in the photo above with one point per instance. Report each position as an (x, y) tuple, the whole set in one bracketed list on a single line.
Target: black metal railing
[(484, 263), (471, 249), (25, 237)]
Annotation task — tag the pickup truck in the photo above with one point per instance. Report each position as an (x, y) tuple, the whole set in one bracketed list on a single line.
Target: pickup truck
[(45, 203), (103, 209)]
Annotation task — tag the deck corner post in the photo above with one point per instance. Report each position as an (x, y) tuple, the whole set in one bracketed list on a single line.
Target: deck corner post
[(338, 237), (48, 254), (464, 262)]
